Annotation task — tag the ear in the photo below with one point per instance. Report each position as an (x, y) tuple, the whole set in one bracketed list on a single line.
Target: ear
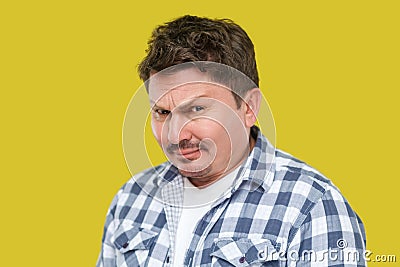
[(252, 100)]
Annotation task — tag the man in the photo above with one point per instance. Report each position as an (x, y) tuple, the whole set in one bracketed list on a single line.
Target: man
[(226, 196)]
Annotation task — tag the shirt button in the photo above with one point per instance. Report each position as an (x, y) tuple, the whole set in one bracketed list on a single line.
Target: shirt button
[(125, 245), (242, 259), (167, 259)]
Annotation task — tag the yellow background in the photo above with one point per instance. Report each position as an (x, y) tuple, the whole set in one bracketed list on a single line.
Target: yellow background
[(329, 69)]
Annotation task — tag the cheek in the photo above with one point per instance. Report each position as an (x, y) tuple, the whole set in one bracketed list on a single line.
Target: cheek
[(156, 127), (225, 144), (216, 132)]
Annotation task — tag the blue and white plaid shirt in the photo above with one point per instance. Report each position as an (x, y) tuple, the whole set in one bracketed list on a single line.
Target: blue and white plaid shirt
[(279, 212)]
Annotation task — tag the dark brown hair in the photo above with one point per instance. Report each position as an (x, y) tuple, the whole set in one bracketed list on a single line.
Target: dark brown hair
[(191, 38)]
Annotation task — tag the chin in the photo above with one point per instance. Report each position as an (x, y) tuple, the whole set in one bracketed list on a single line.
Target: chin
[(196, 174)]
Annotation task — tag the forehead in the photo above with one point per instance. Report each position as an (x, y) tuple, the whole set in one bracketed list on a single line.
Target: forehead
[(184, 85), (167, 80)]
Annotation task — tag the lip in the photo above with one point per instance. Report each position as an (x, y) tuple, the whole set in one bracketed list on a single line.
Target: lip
[(190, 154)]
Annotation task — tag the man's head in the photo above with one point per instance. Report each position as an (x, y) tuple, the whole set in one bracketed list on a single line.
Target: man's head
[(202, 111)]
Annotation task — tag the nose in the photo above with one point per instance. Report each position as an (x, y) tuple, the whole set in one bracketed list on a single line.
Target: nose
[(177, 129)]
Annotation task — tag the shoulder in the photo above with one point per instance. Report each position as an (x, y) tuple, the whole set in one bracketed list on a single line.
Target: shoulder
[(297, 177), (143, 180), (294, 174), (141, 186), (317, 199), (299, 187)]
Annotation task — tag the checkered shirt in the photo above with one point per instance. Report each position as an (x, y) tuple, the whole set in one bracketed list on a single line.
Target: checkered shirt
[(279, 212)]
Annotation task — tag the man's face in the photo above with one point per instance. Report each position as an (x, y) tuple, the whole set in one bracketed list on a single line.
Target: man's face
[(198, 124)]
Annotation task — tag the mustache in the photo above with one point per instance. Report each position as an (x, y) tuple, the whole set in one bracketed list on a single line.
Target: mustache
[(184, 144)]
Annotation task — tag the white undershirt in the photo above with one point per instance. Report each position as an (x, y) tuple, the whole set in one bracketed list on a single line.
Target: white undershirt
[(196, 203)]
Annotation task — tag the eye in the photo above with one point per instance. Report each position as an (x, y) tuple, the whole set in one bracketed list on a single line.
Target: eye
[(197, 108), (160, 114), (163, 112)]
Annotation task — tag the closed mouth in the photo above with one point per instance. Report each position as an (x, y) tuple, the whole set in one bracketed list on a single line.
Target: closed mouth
[(190, 154)]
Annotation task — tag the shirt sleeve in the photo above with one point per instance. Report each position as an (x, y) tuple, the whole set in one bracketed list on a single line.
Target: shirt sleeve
[(331, 235), (107, 257)]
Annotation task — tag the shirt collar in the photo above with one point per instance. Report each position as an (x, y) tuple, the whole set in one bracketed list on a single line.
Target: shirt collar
[(259, 167)]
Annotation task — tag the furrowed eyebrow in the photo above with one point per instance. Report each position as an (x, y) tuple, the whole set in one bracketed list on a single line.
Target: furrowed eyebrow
[(182, 106), (187, 104), (154, 107)]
